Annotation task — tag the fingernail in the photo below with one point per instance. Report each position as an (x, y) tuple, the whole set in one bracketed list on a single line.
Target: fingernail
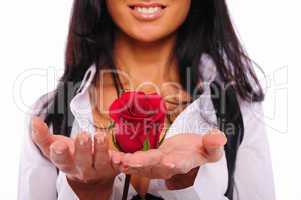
[(34, 131), (136, 166), (110, 153), (116, 161), (32, 121), (57, 150), (171, 165), (83, 141), (215, 150)]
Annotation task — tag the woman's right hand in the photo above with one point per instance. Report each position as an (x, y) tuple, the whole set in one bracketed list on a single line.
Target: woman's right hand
[(87, 163)]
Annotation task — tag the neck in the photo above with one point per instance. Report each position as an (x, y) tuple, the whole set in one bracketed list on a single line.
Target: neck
[(146, 62)]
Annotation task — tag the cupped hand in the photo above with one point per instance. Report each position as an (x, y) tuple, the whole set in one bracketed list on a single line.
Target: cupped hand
[(83, 159), (177, 155)]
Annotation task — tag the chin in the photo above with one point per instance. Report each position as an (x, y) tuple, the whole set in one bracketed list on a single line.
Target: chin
[(149, 35), (147, 38)]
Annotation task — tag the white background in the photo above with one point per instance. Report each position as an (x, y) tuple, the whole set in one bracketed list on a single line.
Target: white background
[(32, 41)]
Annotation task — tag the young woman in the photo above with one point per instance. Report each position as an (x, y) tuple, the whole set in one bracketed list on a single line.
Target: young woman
[(178, 49)]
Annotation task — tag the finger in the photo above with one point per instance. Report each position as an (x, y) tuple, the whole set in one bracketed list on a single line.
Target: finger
[(142, 158), (83, 154), (167, 170), (116, 158), (67, 140), (179, 162), (213, 143), (155, 168), (101, 154), (127, 166), (40, 135), (61, 157), (142, 163)]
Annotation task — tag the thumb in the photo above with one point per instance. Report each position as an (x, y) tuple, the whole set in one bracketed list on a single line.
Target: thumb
[(213, 143), (40, 135)]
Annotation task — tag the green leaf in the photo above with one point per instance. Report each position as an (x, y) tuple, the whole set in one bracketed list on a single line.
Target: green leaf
[(112, 125), (146, 145), (115, 143), (164, 136)]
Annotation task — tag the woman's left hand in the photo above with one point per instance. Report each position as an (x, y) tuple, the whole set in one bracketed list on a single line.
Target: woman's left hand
[(177, 155)]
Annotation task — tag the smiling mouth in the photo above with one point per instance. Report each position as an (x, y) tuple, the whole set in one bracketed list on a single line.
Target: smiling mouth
[(147, 11)]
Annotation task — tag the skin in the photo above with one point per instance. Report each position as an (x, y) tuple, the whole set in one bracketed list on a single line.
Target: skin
[(143, 50), (90, 173), (149, 32)]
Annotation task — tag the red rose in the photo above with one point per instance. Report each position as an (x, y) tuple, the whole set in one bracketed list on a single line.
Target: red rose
[(139, 120)]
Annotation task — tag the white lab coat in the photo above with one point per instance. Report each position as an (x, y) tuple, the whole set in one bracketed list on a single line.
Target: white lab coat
[(39, 180)]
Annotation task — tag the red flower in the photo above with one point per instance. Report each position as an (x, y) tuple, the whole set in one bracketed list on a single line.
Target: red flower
[(139, 120)]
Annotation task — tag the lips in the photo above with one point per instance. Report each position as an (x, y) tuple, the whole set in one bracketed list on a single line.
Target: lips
[(147, 11)]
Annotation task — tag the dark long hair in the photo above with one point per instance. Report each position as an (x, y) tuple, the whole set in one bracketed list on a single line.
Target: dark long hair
[(207, 30)]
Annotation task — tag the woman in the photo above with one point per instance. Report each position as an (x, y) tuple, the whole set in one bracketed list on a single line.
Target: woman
[(176, 48)]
